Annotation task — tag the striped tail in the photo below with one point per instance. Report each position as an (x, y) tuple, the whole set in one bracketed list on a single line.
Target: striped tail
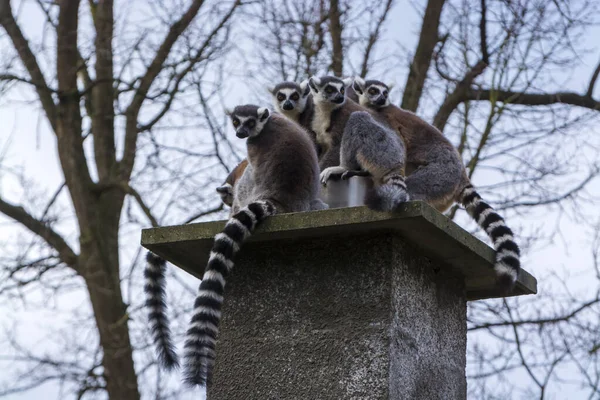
[(389, 196), (201, 337), (155, 301), (507, 264)]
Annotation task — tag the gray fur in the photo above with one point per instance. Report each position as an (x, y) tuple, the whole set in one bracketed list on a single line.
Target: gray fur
[(318, 204), (290, 99), (282, 161), (331, 113), (226, 193), (371, 92), (282, 176), (243, 193), (285, 166), (436, 174), (243, 190), (350, 91), (354, 141), (227, 189), (370, 146), (302, 108), (434, 169), (439, 178)]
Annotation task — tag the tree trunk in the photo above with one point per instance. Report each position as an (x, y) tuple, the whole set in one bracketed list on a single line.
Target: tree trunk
[(100, 269), (335, 29), (422, 59)]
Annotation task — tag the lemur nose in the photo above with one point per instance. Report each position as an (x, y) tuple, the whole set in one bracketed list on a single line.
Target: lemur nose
[(288, 105), (242, 133)]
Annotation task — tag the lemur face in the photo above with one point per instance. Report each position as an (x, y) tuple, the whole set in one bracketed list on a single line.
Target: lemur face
[(226, 193), (290, 97), (372, 93), (249, 120), (328, 89)]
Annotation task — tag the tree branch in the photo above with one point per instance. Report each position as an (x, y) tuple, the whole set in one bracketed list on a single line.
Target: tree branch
[(131, 191), (132, 112), (539, 321), (590, 91), (126, 188), (422, 59), (68, 128), (373, 37), (17, 213), (457, 96), (81, 67), (12, 77), (335, 30), (533, 99), (485, 56), (200, 54), (7, 21), (102, 92), (203, 213)]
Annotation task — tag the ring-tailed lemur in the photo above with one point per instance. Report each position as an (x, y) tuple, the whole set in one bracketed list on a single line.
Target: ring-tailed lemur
[(226, 190), (154, 287), (295, 102), (356, 143), (292, 160), (286, 179), (234, 192), (237, 190), (350, 92), (436, 174)]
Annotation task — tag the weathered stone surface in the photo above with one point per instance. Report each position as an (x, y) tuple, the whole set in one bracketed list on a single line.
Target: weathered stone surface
[(344, 303), (325, 319), (441, 239)]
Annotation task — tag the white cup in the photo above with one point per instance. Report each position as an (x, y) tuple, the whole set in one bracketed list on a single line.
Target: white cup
[(348, 193)]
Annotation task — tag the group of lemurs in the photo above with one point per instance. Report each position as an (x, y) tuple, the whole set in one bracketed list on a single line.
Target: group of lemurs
[(323, 128)]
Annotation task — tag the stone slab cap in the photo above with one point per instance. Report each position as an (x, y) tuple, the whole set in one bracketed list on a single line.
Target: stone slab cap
[(419, 224)]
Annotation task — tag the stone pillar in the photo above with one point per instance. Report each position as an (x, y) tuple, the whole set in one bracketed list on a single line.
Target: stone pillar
[(361, 317), (344, 303)]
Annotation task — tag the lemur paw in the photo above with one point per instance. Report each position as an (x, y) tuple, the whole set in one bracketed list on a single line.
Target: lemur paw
[(331, 172), (349, 174)]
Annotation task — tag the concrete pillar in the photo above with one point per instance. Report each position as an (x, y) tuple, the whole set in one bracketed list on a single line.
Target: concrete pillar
[(363, 317), (344, 304)]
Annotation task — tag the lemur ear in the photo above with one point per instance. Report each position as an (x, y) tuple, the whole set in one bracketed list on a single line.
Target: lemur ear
[(313, 82), (391, 86), (304, 88), (228, 112), (348, 81), (359, 85), (263, 114), (225, 189), (271, 89)]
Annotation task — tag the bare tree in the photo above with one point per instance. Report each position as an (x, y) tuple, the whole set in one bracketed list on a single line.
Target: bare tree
[(120, 102), (96, 94), (315, 37)]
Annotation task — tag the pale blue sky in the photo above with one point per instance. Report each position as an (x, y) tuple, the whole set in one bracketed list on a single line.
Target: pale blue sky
[(32, 147)]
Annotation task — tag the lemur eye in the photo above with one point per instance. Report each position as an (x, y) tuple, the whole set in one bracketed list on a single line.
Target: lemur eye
[(373, 91), (251, 124), (236, 122), (385, 93), (295, 96), (342, 90), (280, 97), (328, 90)]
